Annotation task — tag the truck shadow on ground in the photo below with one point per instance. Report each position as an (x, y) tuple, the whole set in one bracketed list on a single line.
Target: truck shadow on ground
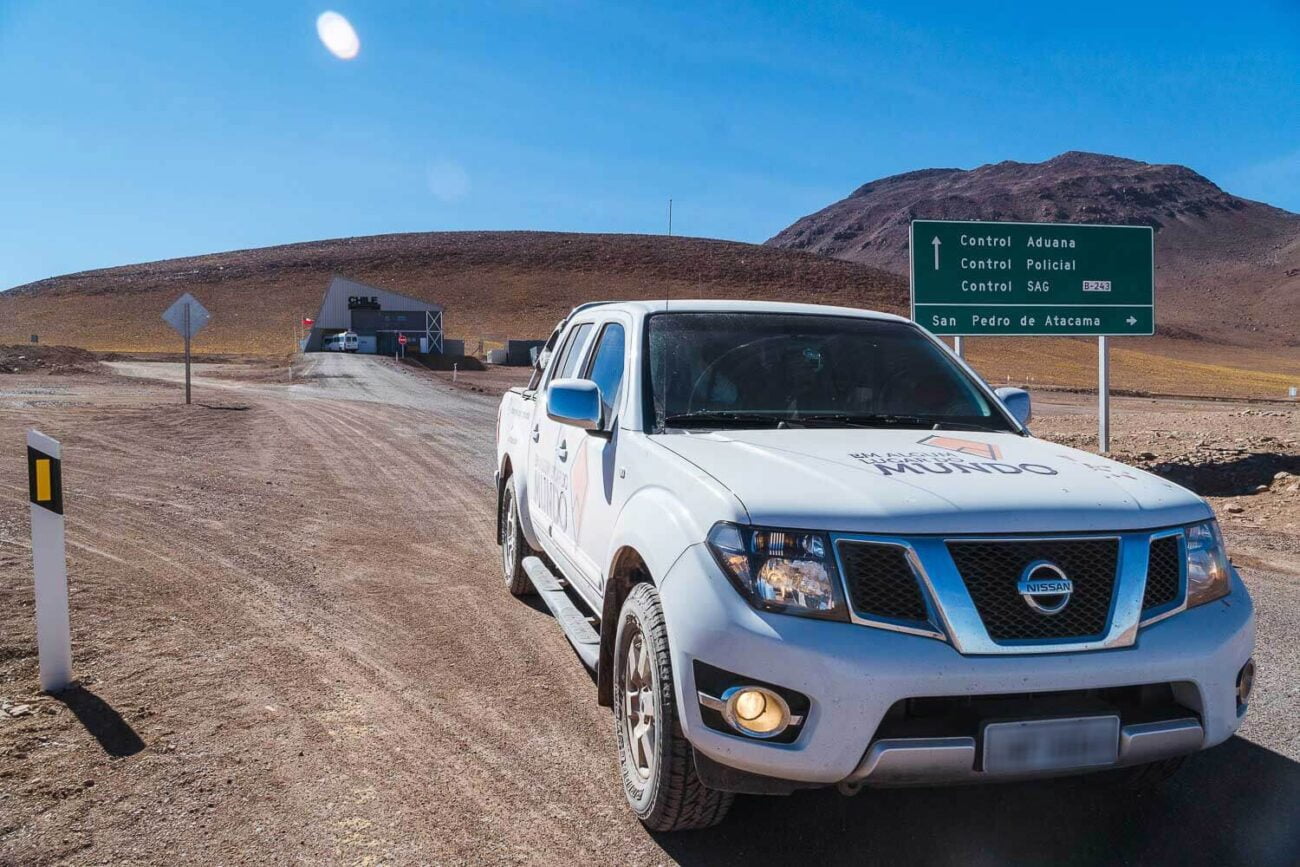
[(1235, 804), (1230, 477)]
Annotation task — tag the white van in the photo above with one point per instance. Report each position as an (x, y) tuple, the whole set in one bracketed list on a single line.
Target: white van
[(345, 341)]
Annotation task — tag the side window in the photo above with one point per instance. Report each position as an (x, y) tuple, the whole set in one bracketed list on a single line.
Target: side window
[(567, 363), (607, 366)]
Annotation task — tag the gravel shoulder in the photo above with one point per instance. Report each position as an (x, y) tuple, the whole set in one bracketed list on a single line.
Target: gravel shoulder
[(293, 647)]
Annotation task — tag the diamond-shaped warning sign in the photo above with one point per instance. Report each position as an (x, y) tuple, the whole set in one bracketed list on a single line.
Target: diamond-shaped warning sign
[(187, 325)]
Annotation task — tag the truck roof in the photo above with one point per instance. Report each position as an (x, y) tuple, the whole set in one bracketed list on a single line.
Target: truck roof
[(676, 305)]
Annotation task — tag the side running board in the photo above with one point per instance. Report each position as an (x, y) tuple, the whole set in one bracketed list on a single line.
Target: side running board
[(577, 629)]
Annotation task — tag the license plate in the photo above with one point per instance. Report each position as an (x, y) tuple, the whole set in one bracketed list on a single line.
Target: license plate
[(1050, 744)]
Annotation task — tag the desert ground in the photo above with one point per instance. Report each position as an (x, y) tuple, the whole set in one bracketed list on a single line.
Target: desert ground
[(293, 645)]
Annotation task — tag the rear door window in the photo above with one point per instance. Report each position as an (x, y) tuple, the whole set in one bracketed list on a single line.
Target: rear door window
[(572, 353)]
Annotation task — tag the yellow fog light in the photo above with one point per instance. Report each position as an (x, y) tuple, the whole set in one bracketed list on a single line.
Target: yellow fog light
[(750, 704), (755, 711)]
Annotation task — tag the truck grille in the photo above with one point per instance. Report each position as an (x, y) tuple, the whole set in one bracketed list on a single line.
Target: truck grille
[(1164, 573), (881, 582), (991, 569)]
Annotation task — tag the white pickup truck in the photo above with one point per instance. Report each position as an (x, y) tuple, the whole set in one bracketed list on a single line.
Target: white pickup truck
[(806, 546)]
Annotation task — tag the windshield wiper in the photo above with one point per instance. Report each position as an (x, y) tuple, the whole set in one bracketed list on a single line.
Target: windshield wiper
[(889, 420), (864, 420), (967, 425), (855, 420), (721, 417)]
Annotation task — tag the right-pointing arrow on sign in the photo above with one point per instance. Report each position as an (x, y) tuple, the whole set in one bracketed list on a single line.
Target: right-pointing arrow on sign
[(1132, 320), (936, 242)]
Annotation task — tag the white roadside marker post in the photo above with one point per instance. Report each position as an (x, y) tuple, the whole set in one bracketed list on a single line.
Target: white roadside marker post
[(49, 561)]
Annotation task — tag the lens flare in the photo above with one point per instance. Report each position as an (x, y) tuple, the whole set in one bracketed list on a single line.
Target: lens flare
[(337, 35)]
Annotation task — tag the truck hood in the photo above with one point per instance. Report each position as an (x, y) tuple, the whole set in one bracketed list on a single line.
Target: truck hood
[(920, 481)]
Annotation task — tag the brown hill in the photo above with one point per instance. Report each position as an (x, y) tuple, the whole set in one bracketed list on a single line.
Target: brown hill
[(497, 284), (517, 284), (1227, 268)]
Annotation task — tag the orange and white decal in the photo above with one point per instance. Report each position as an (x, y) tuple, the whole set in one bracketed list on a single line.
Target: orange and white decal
[(966, 447)]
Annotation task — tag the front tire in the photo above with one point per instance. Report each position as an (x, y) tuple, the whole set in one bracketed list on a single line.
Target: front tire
[(514, 547), (656, 762)]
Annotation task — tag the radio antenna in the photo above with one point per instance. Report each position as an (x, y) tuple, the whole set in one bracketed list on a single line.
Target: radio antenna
[(667, 285)]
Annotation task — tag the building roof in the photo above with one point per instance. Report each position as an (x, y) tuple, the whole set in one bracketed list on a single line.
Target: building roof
[(334, 311)]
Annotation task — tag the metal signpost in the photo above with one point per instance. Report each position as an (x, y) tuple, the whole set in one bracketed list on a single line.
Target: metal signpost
[(1009, 279), (49, 561), (188, 317)]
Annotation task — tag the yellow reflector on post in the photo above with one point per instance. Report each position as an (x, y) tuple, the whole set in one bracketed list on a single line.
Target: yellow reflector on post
[(43, 486)]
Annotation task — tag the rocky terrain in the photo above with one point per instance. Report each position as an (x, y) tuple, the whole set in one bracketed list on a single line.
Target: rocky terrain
[(1245, 460), (58, 360), (1227, 268)]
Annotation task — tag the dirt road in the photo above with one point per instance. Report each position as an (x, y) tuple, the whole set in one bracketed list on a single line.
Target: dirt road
[(294, 647)]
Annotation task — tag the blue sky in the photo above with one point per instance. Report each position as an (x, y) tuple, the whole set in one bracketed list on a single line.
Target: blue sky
[(133, 131)]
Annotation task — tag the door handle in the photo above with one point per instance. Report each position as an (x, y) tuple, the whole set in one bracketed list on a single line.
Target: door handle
[(562, 451), (536, 433)]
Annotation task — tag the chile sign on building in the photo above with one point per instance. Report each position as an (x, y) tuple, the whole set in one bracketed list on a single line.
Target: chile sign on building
[(972, 278)]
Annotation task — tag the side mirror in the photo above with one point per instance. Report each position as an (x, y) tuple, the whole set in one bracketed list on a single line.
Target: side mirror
[(1016, 400), (575, 402)]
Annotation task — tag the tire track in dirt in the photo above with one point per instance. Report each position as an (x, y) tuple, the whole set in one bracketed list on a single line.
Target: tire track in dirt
[(395, 467), (432, 643)]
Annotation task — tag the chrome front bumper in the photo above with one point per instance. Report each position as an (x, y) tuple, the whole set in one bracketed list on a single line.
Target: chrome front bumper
[(927, 761), (853, 675)]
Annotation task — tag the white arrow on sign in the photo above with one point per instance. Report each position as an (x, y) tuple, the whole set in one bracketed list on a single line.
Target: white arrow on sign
[(1132, 320), (936, 242), (198, 316)]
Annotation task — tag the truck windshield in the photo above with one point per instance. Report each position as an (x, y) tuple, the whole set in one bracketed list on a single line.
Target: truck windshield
[(794, 370)]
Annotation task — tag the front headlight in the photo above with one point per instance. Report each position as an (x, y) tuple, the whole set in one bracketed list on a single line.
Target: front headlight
[(1207, 564), (790, 571)]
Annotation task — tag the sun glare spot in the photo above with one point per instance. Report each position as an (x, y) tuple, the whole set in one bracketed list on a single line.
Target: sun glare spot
[(337, 35), (449, 181)]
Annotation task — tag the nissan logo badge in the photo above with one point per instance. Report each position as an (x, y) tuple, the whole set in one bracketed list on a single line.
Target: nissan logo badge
[(1044, 587)]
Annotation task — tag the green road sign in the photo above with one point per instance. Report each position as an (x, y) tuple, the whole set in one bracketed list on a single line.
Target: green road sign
[(1032, 278)]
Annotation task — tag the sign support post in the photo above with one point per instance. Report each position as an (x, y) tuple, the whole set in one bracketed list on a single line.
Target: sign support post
[(958, 346), (187, 353), (1103, 394), (187, 317), (49, 561)]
